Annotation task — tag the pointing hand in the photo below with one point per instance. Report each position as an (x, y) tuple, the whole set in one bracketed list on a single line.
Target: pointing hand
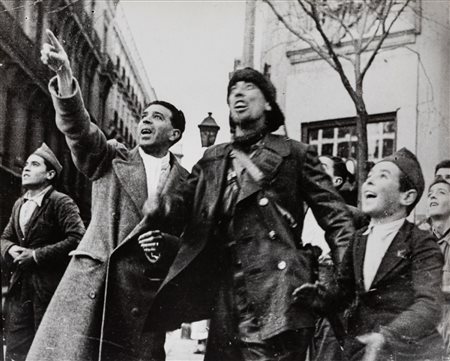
[(54, 56)]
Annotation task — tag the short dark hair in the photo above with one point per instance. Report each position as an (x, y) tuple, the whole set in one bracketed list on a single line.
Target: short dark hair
[(406, 185), (49, 166), (177, 119), (339, 168), (442, 164)]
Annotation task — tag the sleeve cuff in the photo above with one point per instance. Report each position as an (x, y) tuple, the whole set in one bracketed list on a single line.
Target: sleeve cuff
[(34, 256), (53, 88)]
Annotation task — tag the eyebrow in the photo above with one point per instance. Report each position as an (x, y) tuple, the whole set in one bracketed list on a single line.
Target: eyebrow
[(146, 112)]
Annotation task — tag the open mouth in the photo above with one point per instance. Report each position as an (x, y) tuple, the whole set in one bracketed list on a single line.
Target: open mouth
[(370, 195), (240, 105), (146, 131), (434, 204)]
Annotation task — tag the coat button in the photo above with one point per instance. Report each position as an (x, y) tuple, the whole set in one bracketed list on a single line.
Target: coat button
[(92, 294), (263, 202), (273, 234), (135, 311), (281, 265)]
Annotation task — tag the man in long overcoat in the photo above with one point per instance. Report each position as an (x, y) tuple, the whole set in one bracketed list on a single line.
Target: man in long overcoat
[(44, 226), (238, 262), (98, 310)]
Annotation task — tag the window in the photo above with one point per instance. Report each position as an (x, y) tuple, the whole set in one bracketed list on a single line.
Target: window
[(338, 137)]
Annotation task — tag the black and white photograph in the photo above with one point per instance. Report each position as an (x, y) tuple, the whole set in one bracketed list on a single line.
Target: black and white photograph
[(225, 180)]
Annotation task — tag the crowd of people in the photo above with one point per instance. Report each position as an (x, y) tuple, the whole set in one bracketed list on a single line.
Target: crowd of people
[(256, 239)]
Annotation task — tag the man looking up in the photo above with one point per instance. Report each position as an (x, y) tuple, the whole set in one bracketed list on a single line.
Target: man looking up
[(111, 280), (45, 225), (439, 213), (391, 272), (241, 255)]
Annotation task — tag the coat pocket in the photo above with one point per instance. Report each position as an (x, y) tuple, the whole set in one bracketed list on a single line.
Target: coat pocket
[(79, 253)]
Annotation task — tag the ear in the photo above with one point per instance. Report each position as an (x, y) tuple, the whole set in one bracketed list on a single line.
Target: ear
[(267, 107), (175, 136), (409, 197), (50, 175)]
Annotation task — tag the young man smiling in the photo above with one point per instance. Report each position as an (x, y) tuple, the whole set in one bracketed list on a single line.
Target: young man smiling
[(110, 284), (391, 272), (45, 225)]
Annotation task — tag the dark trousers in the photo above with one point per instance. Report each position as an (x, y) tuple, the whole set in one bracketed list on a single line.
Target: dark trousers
[(24, 312), (325, 346), (287, 346)]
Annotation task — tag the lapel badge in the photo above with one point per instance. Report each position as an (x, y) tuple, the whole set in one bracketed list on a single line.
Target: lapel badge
[(401, 253)]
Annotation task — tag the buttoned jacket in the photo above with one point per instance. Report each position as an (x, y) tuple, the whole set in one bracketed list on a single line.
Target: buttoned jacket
[(404, 300), (54, 229), (98, 310), (293, 175)]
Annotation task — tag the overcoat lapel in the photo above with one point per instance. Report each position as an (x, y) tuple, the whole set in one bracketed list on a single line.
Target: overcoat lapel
[(396, 253), (359, 253), (216, 175), (16, 212), (174, 176), (131, 174), (173, 179), (216, 172)]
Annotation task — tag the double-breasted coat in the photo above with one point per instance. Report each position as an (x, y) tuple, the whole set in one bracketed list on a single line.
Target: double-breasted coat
[(404, 301), (272, 267), (98, 310)]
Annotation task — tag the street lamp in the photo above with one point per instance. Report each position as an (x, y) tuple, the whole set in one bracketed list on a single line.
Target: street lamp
[(208, 130)]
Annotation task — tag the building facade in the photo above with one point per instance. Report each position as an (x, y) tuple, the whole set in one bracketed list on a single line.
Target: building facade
[(113, 81), (406, 90)]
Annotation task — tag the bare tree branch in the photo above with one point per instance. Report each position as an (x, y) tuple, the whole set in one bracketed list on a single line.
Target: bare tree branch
[(314, 46), (383, 38), (333, 55)]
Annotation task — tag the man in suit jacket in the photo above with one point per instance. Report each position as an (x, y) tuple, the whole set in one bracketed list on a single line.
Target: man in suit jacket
[(99, 309), (392, 271), (239, 262), (44, 226)]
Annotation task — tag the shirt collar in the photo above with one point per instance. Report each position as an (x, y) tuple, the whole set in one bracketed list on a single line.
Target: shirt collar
[(385, 227), (165, 160), (38, 198)]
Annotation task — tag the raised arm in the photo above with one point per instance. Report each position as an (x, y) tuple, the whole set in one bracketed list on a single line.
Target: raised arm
[(92, 153)]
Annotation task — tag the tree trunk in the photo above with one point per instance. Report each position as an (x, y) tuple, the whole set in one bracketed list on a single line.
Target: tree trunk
[(362, 151)]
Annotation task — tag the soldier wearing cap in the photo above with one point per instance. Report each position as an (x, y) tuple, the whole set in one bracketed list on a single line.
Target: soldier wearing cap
[(44, 227), (391, 273), (239, 261)]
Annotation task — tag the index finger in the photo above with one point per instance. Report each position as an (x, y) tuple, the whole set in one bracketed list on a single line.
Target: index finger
[(53, 39)]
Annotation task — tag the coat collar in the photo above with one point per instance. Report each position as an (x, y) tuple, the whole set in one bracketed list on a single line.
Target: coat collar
[(396, 253), (176, 176), (276, 143), (37, 212), (131, 174)]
